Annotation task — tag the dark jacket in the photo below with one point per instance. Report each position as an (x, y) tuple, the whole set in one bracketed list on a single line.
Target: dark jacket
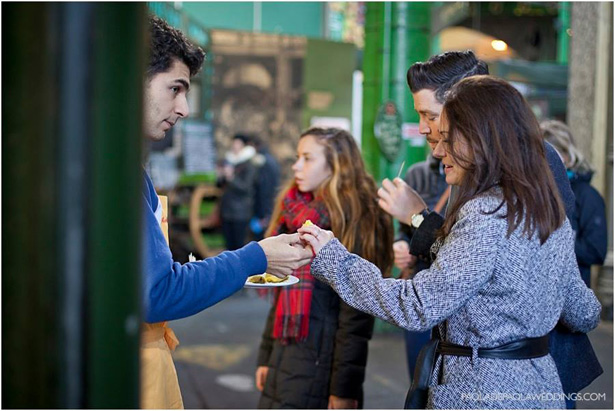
[(330, 362), (589, 222), (238, 198), (267, 184)]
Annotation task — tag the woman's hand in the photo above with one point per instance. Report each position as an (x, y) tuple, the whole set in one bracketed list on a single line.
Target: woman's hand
[(399, 200), (337, 403), (261, 377), (315, 237)]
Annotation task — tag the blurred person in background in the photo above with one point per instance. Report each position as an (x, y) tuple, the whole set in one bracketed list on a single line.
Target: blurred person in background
[(505, 236), (266, 188), (589, 217), (172, 290), (427, 178), (238, 181), (313, 351)]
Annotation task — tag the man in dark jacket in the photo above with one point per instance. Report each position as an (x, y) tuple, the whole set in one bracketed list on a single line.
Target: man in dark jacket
[(238, 180), (266, 188)]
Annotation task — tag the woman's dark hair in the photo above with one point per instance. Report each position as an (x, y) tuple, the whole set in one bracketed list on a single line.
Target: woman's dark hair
[(504, 147), (167, 45), (441, 72)]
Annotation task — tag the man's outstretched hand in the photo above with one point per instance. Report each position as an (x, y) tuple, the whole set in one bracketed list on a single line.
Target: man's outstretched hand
[(285, 253)]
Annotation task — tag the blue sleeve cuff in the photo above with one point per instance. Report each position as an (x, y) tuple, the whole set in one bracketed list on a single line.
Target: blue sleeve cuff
[(253, 259)]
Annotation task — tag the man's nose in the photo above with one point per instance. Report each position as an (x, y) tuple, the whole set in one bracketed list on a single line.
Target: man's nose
[(181, 107), (424, 127)]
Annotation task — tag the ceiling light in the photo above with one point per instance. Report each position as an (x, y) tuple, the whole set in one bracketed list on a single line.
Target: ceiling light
[(499, 45)]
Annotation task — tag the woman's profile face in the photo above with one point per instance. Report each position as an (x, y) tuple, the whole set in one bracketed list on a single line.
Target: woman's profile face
[(311, 168), (447, 152)]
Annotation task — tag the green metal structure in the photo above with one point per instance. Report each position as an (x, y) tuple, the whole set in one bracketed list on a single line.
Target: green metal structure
[(30, 308), (563, 38), (396, 36), (71, 151), (114, 251), (277, 17)]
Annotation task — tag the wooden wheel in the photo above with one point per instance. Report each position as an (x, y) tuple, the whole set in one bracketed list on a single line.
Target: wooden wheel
[(197, 223)]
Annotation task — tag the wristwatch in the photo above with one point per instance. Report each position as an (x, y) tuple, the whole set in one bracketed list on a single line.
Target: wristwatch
[(418, 218)]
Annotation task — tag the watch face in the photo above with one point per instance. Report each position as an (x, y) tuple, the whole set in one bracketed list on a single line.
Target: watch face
[(417, 219)]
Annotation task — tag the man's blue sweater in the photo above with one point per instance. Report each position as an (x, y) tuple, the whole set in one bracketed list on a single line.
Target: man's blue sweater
[(172, 290)]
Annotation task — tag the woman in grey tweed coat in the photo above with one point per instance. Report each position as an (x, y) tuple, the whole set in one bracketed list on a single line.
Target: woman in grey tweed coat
[(505, 267)]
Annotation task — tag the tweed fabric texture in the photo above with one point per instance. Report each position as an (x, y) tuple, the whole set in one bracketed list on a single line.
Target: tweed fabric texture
[(483, 290)]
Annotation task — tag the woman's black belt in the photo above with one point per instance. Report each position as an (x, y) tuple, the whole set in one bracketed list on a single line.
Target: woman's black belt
[(517, 350)]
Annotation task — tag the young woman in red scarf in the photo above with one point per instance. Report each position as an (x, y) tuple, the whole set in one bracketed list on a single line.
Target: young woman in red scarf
[(314, 347)]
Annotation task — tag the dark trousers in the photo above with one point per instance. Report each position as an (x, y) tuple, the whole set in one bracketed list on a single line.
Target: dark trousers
[(235, 233), (414, 342)]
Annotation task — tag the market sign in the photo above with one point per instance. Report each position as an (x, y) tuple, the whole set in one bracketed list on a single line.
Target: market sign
[(387, 130)]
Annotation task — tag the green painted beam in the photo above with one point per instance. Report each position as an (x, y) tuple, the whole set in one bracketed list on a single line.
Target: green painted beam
[(30, 335), (418, 15), (563, 39), (115, 213), (396, 36), (372, 84)]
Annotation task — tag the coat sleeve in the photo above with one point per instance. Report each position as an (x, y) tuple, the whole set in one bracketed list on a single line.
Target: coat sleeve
[(354, 331), (591, 240), (581, 310), (413, 179), (425, 235), (433, 294), (173, 291), (561, 179), (417, 178)]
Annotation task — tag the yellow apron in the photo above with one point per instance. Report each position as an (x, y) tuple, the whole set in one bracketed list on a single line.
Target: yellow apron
[(159, 385)]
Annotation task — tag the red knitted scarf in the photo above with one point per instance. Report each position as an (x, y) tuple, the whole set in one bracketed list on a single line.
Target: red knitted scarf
[(292, 312)]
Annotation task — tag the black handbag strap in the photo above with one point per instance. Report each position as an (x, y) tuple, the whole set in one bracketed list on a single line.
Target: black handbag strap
[(417, 395)]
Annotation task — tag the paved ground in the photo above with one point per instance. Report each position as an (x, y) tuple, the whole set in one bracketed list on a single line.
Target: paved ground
[(216, 359)]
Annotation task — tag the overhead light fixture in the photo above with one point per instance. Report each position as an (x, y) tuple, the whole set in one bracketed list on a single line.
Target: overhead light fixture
[(499, 45)]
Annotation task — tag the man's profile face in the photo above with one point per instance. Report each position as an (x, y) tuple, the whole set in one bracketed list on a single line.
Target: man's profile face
[(429, 110), (165, 100)]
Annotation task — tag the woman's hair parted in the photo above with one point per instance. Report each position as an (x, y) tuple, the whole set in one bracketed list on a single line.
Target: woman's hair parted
[(506, 149), (350, 197)]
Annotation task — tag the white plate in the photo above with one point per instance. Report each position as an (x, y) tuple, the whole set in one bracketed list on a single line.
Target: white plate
[(289, 281)]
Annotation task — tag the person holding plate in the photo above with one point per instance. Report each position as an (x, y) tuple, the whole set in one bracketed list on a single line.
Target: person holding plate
[(172, 290), (313, 351)]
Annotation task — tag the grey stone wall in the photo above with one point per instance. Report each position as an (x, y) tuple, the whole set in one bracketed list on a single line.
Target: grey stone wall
[(586, 116), (582, 66)]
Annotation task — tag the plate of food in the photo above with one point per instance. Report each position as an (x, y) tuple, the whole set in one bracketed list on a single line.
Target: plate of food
[(269, 280)]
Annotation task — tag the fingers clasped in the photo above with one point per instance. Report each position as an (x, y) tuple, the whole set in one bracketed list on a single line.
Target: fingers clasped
[(316, 237)]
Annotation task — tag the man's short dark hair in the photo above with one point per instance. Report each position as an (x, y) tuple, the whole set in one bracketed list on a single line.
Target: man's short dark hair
[(168, 44), (443, 71)]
